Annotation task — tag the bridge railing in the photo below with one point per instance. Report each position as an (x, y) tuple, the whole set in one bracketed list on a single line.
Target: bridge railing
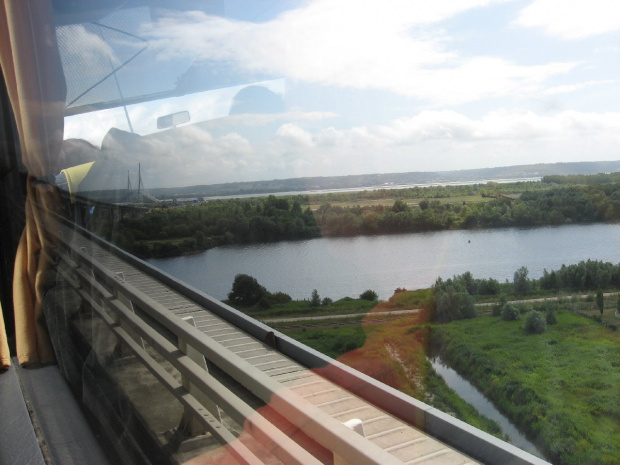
[(119, 305)]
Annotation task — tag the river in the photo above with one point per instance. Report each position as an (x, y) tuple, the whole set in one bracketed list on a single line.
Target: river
[(471, 395), (339, 267)]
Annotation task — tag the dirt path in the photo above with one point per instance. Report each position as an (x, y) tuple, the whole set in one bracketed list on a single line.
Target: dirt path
[(333, 317)]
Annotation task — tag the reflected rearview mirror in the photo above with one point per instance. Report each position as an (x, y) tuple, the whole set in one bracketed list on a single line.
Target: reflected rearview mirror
[(172, 120)]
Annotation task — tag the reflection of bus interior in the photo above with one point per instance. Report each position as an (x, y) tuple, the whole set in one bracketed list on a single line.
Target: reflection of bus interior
[(159, 372)]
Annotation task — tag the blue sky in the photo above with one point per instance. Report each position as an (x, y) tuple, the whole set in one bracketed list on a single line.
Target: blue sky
[(389, 86)]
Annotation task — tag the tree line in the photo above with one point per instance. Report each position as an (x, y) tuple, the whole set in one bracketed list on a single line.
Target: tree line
[(555, 205), (587, 179), (174, 231), (454, 298), (429, 192)]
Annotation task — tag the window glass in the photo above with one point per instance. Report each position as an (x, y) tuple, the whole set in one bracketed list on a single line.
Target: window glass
[(346, 160)]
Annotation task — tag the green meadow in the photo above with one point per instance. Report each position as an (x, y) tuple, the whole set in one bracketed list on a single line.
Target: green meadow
[(562, 387)]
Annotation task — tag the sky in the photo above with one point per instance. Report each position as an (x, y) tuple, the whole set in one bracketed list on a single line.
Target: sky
[(339, 87)]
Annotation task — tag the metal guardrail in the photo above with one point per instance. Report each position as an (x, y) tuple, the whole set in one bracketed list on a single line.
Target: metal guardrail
[(102, 289), (324, 429)]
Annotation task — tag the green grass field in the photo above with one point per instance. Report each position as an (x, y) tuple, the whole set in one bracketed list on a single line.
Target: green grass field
[(562, 387), (389, 201), (303, 308)]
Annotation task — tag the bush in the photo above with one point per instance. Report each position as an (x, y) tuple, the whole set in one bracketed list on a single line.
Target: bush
[(510, 313), (550, 317), (535, 323), (369, 295), (276, 298), (454, 303), (499, 306), (327, 302)]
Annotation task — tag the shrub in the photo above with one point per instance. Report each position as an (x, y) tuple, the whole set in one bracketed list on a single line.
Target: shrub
[(535, 323), (550, 317), (327, 302), (499, 306), (277, 298), (369, 295), (510, 313)]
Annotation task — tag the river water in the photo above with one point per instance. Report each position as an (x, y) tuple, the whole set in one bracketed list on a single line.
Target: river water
[(339, 267), (471, 395)]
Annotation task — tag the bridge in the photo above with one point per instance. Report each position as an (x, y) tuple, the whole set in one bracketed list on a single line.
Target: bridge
[(206, 381)]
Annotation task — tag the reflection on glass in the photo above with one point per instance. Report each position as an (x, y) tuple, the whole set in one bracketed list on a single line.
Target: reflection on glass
[(363, 133)]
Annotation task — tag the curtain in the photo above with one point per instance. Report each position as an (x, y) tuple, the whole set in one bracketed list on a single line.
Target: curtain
[(5, 360), (32, 71)]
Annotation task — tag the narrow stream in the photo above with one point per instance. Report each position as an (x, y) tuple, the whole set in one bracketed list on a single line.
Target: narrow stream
[(474, 397)]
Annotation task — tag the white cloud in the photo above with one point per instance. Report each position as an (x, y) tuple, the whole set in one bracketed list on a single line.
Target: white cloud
[(190, 155), (500, 124), (264, 119), (357, 44), (431, 141), (569, 88), (294, 136), (574, 19), (95, 125)]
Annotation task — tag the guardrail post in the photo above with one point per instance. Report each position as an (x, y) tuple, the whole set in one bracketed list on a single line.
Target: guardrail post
[(356, 425), (189, 424), (128, 303)]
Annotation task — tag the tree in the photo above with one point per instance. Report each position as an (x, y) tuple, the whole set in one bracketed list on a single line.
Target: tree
[(315, 300), (399, 206), (521, 281), (600, 301), (369, 295), (246, 290)]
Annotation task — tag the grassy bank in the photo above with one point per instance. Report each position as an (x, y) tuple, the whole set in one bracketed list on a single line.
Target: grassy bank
[(304, 308), (561, 387)]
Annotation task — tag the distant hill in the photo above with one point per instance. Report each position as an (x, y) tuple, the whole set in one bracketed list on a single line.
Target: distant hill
[(387, 179)]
